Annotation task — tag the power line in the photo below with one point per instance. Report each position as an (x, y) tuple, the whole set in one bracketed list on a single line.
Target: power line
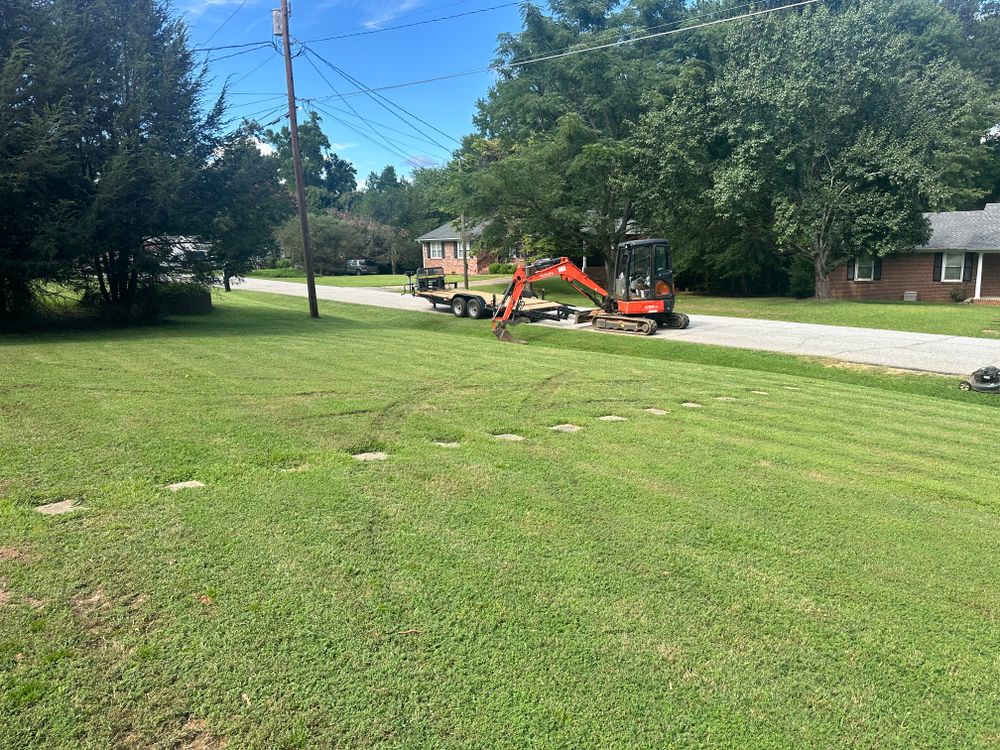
[(384, 138), (383, 102), (499, 67), (396, 142), (391, 149), (228, 19), (263, 62), (383, 125), (410, 25), (241, 52), (231, 46), (421, 12)]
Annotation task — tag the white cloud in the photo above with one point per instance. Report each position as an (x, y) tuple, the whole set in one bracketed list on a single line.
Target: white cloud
[(200, 7), (265, 148), (386, 14), (342, 146)]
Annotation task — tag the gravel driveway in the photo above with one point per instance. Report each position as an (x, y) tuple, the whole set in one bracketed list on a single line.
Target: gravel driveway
[(951, 355)]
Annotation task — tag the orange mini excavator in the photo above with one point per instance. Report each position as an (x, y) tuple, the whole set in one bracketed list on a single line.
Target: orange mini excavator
[(642, 299)]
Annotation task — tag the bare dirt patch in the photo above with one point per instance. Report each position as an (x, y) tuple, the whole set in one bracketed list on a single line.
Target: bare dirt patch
[(5, 595), (877, 369), (566, 428), (371, 456), (89, 605), (657, 412), (692, 405), (509, 438), (188, 485), (12, 554), (612, 418), (200, 738)]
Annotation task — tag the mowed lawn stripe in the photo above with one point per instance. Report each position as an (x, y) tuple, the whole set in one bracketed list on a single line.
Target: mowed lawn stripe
[(815, 567)]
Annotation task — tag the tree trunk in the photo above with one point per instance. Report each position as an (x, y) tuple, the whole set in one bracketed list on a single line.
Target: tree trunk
[(225, 280), (822, 275)]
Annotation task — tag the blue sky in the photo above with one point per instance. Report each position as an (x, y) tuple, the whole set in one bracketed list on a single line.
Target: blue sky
[(379, 59)]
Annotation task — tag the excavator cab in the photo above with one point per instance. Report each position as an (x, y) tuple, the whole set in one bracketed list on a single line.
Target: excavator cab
[(643, 272)]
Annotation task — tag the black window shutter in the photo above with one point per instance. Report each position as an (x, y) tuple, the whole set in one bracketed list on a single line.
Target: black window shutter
[(970, 258), (877, 274), (938, 262), (850, 269)]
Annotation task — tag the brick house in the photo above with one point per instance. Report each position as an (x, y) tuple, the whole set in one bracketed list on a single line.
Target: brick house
[(441, 247), (960, 261)]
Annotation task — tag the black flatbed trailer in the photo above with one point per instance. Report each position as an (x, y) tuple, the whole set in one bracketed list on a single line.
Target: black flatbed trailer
[(430, 283)]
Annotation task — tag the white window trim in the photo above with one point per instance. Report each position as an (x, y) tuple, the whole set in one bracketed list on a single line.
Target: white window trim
[(944, 268), (857, 269), (459, 254), (435, 250)]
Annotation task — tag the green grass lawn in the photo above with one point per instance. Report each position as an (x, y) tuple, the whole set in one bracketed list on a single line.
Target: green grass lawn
[(813, 563), (982, 321), (373, 280)]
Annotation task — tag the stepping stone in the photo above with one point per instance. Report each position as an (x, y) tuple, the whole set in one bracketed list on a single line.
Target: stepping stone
[(509, 438), (691, 405), (441, 444), (373, 456), (189, 485), (657, 412), (57, 509), (566, 428), (612, 418), (791, 388), (760, 393)]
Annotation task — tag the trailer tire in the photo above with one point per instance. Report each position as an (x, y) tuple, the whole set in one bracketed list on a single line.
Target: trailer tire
[(475, 308), (459, 307)]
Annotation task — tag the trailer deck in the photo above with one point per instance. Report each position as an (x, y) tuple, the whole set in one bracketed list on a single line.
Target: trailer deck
[(430, 284)]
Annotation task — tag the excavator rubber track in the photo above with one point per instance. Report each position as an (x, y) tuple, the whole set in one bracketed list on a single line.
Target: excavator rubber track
[(678, 321), (624, 324)]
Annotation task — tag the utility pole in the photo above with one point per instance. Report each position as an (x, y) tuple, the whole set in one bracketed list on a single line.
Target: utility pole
[(280, 19)]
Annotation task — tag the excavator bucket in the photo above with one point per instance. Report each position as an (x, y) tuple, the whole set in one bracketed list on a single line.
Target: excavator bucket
[(502, 334), (584, 316)]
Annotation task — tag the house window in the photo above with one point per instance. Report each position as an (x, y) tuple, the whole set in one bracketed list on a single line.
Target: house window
[(952, 266), (458, 249), (436, 251), (864, 269)]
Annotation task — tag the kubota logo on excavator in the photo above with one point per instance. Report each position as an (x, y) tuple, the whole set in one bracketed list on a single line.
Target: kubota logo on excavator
[(561, 269)]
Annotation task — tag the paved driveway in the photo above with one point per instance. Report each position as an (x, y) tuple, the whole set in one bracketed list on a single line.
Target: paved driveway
[(952, 355)]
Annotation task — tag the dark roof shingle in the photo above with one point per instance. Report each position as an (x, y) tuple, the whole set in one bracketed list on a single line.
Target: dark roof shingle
[(965, 230)]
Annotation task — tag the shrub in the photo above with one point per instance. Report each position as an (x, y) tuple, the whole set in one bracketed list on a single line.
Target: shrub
[(958, 293), (181, 298), (503, 268), (283, 263), (280, 273)]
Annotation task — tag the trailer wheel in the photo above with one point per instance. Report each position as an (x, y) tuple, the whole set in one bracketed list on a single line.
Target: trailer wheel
[(475, 307), (458, 307)]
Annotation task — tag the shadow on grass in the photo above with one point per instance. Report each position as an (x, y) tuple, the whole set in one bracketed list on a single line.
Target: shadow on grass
[(258, 320)]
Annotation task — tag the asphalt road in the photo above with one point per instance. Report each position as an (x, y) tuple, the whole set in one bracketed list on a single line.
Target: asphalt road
[(950, 355)]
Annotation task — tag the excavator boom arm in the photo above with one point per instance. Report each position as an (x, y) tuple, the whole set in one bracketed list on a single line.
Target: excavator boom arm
[(562, 268)]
